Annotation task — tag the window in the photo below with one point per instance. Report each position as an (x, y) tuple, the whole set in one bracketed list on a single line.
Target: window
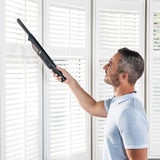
[(67, 26), (67, 38), (21, 112), (153, 93), (40, 118), (118, 24), (118, 29), (67, 122), (21, 77)]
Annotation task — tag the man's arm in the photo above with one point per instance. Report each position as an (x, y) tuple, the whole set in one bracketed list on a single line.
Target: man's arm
[(137, 154), (84, 99)]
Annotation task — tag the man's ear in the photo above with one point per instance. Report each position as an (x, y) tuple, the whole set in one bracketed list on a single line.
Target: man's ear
[(124, 76)]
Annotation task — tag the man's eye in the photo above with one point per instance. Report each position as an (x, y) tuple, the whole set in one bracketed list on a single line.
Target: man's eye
[(109, 63)]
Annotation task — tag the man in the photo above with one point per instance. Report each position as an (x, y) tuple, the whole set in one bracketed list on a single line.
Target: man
[(126, 129)]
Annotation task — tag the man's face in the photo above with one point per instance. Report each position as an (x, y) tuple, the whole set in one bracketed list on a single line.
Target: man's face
[(111, 68)]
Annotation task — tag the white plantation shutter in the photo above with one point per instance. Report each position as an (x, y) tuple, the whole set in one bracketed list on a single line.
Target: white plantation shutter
[(13, 9), (118, 24), (67, 27), (27, 11), (153, 82), (21, 80), (67, 121), (118, 29), (21, 108), (67, 41)]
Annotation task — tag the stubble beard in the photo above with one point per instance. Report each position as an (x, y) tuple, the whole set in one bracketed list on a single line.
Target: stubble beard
[(112, 79)]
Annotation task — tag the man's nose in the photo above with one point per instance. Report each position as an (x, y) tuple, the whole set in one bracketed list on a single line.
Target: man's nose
[(105, 67)]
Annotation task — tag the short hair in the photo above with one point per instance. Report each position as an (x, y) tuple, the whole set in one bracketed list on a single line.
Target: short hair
[(132, 63)]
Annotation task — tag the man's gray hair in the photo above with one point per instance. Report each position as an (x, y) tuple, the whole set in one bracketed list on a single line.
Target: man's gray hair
[(132, 63)]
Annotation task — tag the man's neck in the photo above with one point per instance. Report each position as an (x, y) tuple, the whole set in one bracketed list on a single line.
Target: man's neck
[(120, 91)]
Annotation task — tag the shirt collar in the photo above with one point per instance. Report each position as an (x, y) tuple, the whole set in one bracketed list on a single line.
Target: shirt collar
[(123, 98)]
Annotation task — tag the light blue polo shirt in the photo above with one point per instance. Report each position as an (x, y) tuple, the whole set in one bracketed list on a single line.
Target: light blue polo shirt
[(126, 126)]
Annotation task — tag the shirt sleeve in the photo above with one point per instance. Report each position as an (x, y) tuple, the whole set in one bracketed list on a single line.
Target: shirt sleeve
[(107, 104), (133, 128)]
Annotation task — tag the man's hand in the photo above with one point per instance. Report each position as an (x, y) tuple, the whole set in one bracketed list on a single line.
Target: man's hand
[(69, 78)]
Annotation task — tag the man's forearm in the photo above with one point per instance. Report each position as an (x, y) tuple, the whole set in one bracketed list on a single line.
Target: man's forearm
[(84, 99)]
